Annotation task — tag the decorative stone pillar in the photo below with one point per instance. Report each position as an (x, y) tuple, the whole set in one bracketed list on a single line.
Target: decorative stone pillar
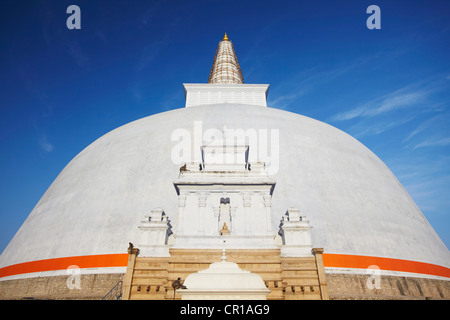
[(154, 233), (268, 206), (232, 213), (247, 202), (181, 205), (295, 232), (216, 211), (202, 221)]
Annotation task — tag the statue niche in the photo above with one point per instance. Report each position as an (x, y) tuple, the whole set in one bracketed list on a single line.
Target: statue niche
[(224, 216)]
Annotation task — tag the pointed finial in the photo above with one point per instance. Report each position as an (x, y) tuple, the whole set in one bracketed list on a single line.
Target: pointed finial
[(225, 68), (224, 255)]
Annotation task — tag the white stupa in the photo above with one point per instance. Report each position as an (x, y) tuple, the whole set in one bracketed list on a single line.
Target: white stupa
[(278, 180), (224, 281)]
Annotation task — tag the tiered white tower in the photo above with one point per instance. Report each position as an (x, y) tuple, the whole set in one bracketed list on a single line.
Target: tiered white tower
[(226, 83), (225, 68)]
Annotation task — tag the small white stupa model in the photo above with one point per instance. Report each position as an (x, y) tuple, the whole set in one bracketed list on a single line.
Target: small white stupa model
[(224, 281)]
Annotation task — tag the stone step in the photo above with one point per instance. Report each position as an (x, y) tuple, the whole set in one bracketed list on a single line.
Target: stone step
[(287, 277)]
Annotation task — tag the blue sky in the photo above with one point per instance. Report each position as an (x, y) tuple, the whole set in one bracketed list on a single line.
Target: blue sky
[(62, 89)]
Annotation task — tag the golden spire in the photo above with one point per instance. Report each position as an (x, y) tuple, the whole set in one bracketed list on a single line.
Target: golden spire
[(225, 68)]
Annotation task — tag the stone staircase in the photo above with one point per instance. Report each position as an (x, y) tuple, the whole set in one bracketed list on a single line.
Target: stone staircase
[(151, 278)]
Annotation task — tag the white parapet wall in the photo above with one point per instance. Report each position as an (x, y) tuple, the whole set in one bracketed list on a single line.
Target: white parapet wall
[(197, 94)]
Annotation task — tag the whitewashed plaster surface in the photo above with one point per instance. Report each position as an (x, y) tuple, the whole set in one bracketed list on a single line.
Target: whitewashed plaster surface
[(354, 203)]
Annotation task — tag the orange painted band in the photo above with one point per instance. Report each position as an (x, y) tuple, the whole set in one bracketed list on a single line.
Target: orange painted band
[(329, 260), (93, 261), (363, 262)]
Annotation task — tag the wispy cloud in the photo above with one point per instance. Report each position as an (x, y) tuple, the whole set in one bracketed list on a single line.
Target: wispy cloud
[(307, 80), (136, 92), (433, 132), (433, 143), (78, 55), (282, 100), (396, 100), (313, 78), (153, 49), (362, 128), (425, 176), (409, 96), (433, 122), (149, 53), (44, 144)]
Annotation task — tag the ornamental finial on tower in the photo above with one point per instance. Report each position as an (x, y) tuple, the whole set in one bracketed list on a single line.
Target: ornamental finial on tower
[(225, 68)]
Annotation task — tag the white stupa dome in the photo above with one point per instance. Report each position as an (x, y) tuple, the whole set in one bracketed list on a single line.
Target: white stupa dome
[(357, 208), (353, 201)]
